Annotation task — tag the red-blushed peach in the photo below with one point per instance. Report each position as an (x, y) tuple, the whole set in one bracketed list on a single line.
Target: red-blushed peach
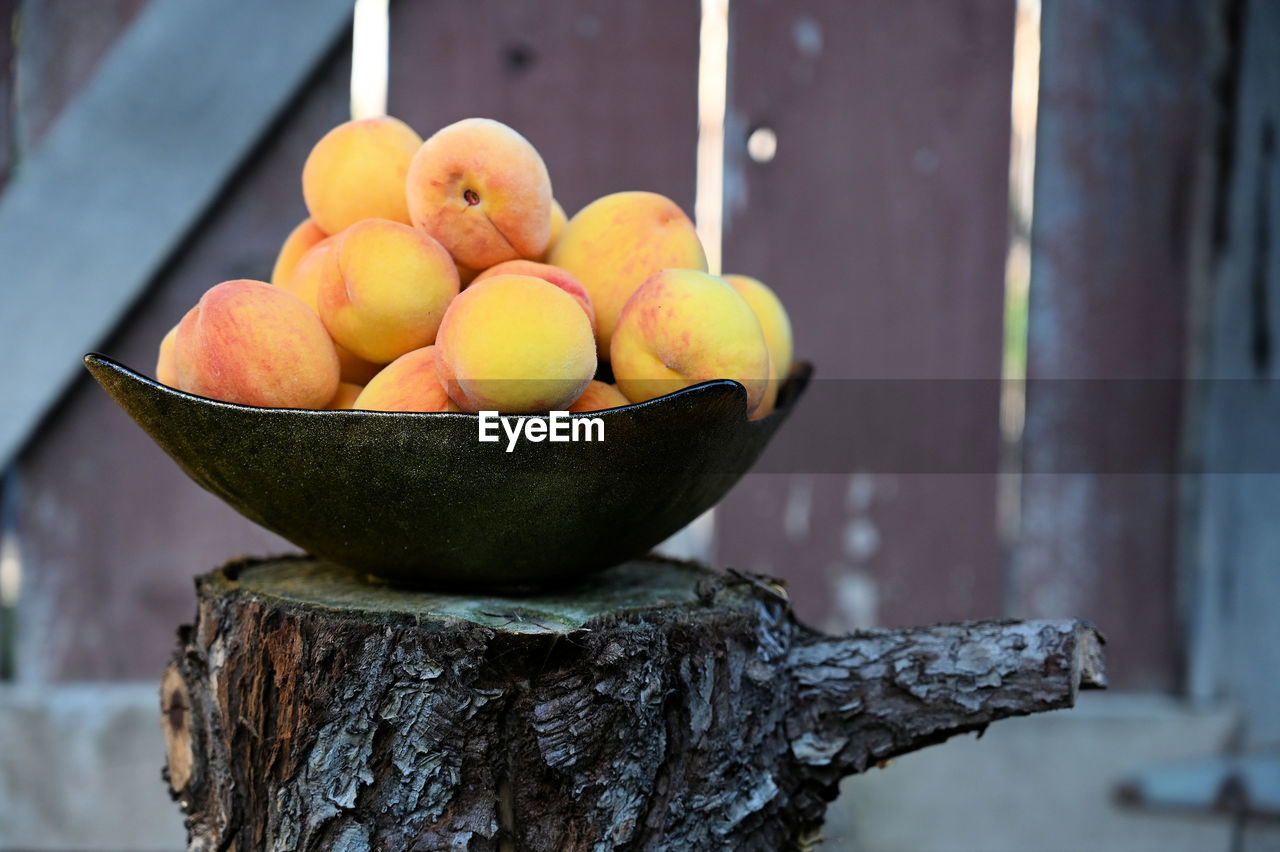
[(682, 327), (777, 333), (254, 344), (551, 274), (390, 291), (357, 171), (317, 265), (409, 383), (166, 365), (598, 397), (515, 344), (616, 242), (297, 244), (483, 191), (346, 396), (558, 220)]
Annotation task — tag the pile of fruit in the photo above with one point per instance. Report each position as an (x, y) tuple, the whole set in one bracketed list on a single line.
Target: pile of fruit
[(443, 276)]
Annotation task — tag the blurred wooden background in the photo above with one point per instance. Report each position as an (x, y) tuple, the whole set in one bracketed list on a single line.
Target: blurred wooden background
[(883, 221)]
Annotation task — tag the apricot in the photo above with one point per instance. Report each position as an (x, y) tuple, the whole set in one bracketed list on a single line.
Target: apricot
[(616, 242), (251, 343), (357, 171), (315, 266), (515, 344), (346, 396), (312, 267), (386, 291), (298, 243), (558, 220), (551, 274), (599, 396), (777, 333), (409, 383), (166, 364), (682, 327), (483, 191)]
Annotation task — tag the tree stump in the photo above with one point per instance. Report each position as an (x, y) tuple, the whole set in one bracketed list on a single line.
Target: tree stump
[(659, 705)]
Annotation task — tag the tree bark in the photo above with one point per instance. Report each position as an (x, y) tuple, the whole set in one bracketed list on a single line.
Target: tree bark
[(658, 706)]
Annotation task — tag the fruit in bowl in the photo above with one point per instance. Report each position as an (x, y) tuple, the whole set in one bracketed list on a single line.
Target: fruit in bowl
[(470, 389)]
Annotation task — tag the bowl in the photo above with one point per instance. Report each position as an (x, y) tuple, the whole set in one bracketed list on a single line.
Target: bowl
[(418, 499)]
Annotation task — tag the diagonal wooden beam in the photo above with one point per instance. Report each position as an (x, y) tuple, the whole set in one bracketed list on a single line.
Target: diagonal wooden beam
[(128, 170)]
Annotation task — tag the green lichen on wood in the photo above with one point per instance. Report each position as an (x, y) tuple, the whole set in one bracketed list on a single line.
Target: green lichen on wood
[(641, 586)]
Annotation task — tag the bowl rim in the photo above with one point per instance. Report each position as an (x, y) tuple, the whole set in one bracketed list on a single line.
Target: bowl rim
[(800, 373)]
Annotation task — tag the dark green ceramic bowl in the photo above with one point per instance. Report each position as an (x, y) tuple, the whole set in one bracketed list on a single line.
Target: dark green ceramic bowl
[(417, 498)]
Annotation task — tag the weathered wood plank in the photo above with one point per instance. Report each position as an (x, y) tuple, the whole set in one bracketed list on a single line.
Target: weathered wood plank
[(8, 13), (61, 43), (1234, 634), (1125, 117), (128, 170), (882, 224), (111, 530)]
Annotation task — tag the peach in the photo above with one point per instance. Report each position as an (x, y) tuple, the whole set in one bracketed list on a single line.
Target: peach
[(616, 242), (166, 364), (409, 383), (777, 332), (515, 344), (353, 368), (599, 396), (551, 274), (682, 327), (297, 244), (357, 171), (558, 220), (313, 268), (251, 343), (483, 191), (346, 396), (386, 291)]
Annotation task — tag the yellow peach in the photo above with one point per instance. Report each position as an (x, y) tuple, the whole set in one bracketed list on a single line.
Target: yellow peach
[(166, 365), (682, 327), (616, 242), (390, 290), (312, 268), (777, 332), (558, 220), (552, 274), (770, 397), (346, 396), (354, 369), (483, 191), (515, 344), (317, 265), (297, 244), (357, 171), (599, 396), (251, 343), (409, 383)]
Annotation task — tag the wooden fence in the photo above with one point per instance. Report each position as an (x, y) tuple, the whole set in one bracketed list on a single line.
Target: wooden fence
[(882, 221)]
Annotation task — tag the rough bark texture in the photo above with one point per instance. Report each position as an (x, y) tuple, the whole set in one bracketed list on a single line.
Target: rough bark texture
[(660, 706)]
